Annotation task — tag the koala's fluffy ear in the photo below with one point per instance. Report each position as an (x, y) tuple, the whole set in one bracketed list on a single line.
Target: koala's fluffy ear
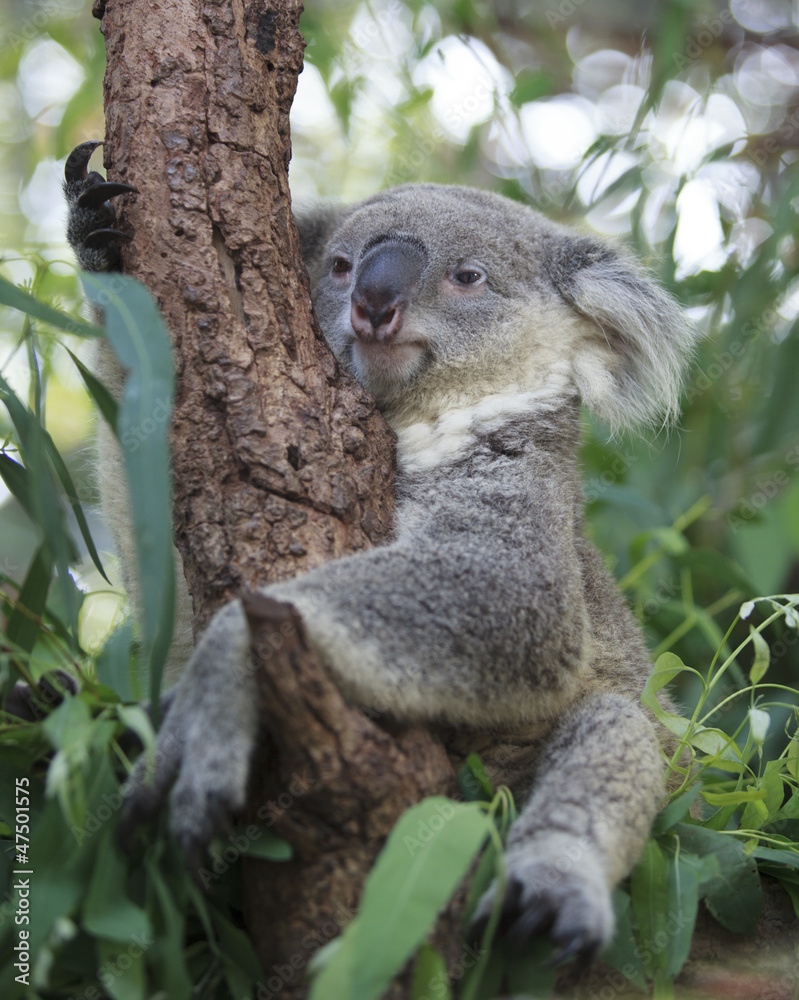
[(631, 367), (316, 224)]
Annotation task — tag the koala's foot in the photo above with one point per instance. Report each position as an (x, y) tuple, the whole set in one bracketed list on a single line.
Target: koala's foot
[(91, 219), (556, 888)]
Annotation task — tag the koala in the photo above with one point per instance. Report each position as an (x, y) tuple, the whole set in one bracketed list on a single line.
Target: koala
[(480, 327)]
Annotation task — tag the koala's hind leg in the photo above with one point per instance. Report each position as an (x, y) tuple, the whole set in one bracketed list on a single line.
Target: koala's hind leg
[(598, 786)]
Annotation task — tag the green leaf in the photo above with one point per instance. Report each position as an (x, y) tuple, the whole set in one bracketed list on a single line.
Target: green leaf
[(736, 798), (650, 900), (240, 963), (735, 897), (428, 853), (473, 781), (140, 341), (64, 855), (792, 757), (762, 656), (107, 911), (121, 970), (775, 856), (15, 297), (17, 479), (266, 844), (115, 665), (134, 717), (530, 85), (168, 919), (683, 893), (69, 724), (790, 810), (624, 954), (23, 629), (675, 811), (71, 494), (430, 977), (761, 811), (486, 871), (529, 972), (42, 494), (103, 399)]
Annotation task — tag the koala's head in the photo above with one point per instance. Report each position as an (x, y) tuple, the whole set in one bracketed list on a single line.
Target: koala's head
[(436, 296)]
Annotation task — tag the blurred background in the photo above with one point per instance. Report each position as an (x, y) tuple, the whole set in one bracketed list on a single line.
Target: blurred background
[(673, 127)]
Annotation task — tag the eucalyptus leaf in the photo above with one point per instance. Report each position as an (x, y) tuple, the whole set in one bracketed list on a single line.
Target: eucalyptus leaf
[(735, 897), (23, 623), (650, 901), (430, 977), (140, 340), (107, 911), (121, 970), (427, 854), (683, 894), (11, 295)]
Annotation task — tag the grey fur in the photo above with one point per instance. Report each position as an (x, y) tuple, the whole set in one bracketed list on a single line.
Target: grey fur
[(488, 610)]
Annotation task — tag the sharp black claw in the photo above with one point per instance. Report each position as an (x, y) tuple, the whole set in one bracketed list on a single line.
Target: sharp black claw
[(77, 161), (476, 930), (95, 195), (100, 238), (533, 920), (564, 953)]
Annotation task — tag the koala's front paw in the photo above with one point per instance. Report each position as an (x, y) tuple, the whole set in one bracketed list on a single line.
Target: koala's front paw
[(91, 219), (556, 888)]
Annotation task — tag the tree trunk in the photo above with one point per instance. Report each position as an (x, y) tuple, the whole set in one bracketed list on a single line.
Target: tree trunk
[(280, 460)]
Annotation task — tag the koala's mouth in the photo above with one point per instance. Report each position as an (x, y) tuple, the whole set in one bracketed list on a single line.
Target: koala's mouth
[(384, 368), (382, 353)]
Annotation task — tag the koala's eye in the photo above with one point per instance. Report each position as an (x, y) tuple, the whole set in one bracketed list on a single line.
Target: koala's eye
[(341, 265), (468, 276)]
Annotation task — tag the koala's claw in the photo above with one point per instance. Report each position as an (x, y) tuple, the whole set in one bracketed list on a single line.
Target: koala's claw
[(78, 161), (142, 807), (578, 922), (212, 820), (101, 191), (90, 224), (102, 237)]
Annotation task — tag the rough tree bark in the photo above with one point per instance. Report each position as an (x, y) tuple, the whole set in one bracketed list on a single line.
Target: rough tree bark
[(280, 460)]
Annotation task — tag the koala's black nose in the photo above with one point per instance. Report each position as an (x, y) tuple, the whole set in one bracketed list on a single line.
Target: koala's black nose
[(386, 278)]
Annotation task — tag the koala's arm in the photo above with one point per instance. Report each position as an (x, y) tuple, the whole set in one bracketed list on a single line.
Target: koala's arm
[(429, 629), (598, 786), (424, 628)]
